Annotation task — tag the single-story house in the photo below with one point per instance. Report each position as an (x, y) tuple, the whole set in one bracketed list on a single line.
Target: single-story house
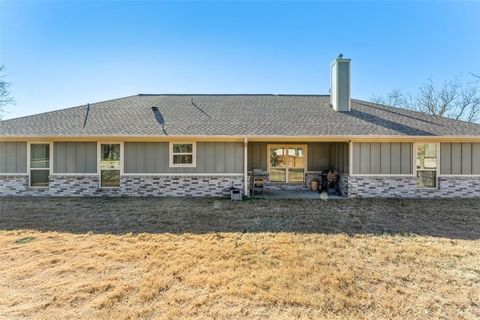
[(197, 145)]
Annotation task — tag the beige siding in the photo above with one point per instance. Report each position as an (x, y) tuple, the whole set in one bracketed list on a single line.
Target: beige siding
[(75, 157), (382, 158), (319, 156), (460, 158), (339, 158), (13, 157), (211, 157)]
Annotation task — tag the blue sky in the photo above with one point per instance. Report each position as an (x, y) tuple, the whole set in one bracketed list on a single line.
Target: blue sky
[(64, 53)]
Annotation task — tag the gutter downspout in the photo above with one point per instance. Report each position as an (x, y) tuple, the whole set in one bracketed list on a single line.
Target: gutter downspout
[(245, 167)]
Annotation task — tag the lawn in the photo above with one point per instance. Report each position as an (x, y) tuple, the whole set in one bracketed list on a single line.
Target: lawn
[(205, 258)]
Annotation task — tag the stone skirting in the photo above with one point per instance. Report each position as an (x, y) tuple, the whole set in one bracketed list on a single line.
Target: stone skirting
[(406, 187), (212, 186), (131, 185), (179, 186), (343, 184)]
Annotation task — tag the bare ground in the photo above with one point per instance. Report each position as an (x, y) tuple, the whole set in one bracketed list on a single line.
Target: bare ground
[(129, 258)]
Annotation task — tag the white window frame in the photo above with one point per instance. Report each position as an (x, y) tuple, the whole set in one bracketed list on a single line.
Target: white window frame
[(50, 163), (437, 170), (183, 165), (305, 155), (99, 162)]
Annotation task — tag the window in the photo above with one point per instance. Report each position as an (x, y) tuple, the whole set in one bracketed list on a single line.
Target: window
[(287, 164), (39, 164), (182, 154), (110, 165), (427, 165)]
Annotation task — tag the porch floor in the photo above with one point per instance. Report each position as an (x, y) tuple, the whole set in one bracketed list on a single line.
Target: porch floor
[(296, 194)]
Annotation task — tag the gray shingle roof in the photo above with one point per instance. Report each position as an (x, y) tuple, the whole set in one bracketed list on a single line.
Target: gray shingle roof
[(233, 115)]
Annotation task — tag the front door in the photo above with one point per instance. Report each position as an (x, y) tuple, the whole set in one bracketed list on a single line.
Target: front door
[(287, 163)]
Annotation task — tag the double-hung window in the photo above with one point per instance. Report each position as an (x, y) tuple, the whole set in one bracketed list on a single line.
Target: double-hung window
[(182, 154), (110, 165), (39, 164), (427, 165)]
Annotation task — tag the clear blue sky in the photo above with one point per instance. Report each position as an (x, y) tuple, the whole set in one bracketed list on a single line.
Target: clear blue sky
[(62, 54)]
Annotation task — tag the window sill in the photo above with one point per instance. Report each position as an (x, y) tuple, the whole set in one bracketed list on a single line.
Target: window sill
[(182, 166)]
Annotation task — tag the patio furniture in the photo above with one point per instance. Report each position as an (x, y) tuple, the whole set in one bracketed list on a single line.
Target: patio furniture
[(257, 185)]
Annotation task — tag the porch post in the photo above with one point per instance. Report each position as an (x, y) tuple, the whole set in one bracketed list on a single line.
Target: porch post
[(245, 167), (350, 157)]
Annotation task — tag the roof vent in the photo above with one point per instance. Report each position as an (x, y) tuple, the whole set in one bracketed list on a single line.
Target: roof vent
[(159, 118)]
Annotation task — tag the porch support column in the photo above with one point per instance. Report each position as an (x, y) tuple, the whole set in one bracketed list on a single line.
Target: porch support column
[(350, 157), (245, 167)]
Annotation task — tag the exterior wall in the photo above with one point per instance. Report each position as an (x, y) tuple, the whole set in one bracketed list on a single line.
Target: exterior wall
[(13, 157), (382, 158), (406, 187), (257, 156), (88, 185), (339, 157), (211, 157), (343, 183), (75, 157), (459, 158), (13, 185)]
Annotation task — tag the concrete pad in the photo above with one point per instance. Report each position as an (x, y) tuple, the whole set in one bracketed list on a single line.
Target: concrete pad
[(296, 194)]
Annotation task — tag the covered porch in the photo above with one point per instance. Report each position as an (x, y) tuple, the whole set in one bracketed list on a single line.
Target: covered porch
[(290, 167)]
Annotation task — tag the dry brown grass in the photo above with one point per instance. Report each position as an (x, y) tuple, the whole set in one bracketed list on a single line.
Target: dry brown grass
[(232, 275)]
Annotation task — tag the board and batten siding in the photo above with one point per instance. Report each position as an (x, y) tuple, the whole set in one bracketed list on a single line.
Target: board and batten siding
[(382, 158), (460, 158), (320, 155), (13, 157), (75, 157), (340, 157), (211, 157)]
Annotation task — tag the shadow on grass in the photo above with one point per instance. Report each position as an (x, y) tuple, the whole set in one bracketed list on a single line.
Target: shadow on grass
[(449, 218)]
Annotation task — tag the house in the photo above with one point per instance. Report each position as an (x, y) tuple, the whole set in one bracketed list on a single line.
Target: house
[(197, 145)]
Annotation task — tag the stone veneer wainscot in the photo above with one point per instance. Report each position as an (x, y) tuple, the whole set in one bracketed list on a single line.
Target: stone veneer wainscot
[(131, 185), (406, 187)]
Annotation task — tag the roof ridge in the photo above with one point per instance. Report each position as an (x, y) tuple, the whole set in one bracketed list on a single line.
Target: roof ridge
[(229, 94)]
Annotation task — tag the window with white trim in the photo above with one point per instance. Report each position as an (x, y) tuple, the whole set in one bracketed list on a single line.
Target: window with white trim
[(39, 164), (182, 154), (427, 165), (110, 165)]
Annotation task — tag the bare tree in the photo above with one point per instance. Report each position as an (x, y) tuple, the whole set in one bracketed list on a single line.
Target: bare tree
[(5, 97), (394, 98), (453, 99)]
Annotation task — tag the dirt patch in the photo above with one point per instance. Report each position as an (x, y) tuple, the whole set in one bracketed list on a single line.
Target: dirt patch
[(459, 219)]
